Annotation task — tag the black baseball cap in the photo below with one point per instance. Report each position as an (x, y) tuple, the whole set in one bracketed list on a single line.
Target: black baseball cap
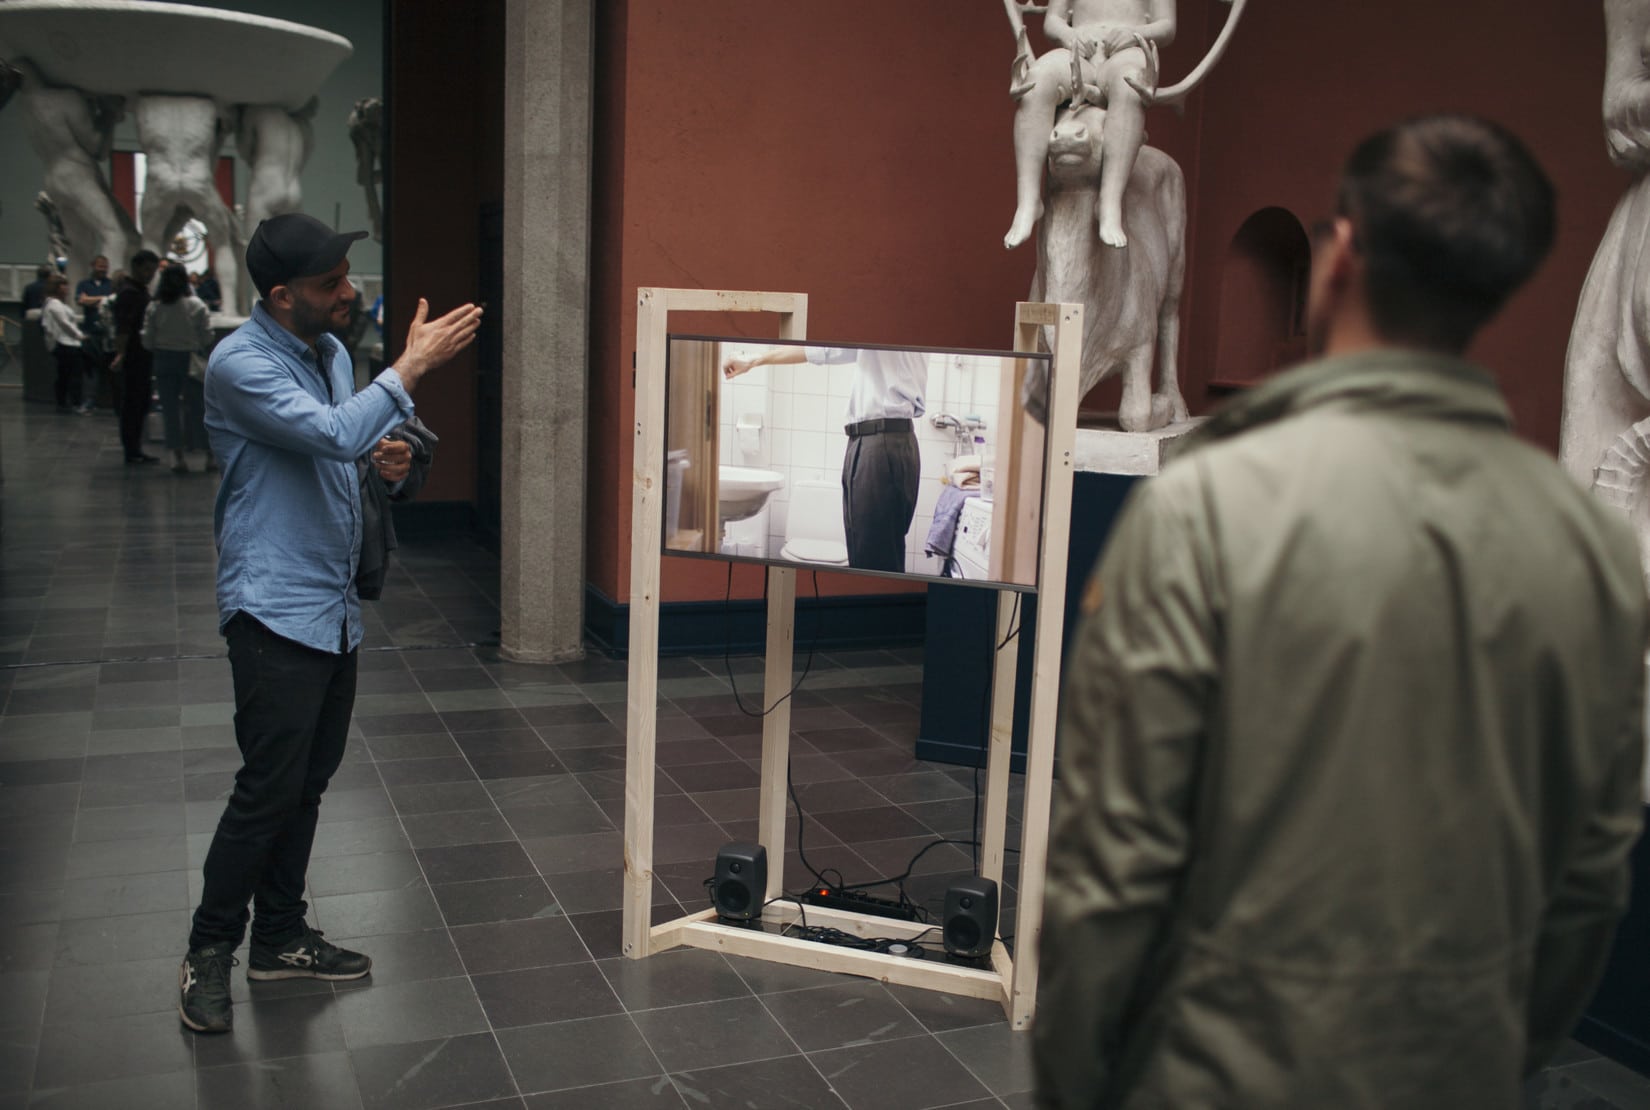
[(293, 245)]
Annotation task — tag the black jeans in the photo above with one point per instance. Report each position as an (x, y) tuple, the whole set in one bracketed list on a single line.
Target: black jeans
[(70, 369), (879, 497), (292, 711), (137, 386)]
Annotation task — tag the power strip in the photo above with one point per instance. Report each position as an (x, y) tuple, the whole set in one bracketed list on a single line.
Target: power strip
[(827, 898)]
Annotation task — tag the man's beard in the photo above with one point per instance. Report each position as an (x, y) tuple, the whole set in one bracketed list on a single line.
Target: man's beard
[(309, 322)]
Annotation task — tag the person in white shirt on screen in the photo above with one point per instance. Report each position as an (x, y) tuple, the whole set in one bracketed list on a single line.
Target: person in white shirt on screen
[(881, 467)]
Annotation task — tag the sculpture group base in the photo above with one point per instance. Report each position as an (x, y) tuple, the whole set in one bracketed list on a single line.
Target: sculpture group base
[(1141, 454)]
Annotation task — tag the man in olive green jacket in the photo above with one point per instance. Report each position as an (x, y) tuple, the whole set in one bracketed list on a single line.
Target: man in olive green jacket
[(1353, 730)]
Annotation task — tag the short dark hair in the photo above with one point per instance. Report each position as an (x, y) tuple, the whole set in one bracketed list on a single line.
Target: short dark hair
[(1452, 214), (42, 272), (174, 284), (145, 256)]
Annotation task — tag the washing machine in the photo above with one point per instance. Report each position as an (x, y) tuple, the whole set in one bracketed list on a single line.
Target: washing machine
[(971, 550)]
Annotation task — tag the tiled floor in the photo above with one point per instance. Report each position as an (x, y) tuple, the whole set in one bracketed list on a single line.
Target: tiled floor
[(470, 844)]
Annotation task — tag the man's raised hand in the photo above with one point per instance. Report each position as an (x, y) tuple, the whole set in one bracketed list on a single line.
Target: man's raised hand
[(432, 342)]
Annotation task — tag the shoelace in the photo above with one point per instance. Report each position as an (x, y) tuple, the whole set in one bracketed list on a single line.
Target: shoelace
[(214, 970)]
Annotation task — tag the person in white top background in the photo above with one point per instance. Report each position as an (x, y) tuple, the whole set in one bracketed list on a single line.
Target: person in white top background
[(177, 325), (881, 468), (64, 339)]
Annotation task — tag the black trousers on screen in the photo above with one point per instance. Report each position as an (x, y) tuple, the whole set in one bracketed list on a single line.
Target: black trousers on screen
[(292, 712), (879, 492), (137, 385)]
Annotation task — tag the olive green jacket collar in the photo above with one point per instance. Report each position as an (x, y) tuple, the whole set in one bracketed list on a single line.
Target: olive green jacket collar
[(1413, 382)]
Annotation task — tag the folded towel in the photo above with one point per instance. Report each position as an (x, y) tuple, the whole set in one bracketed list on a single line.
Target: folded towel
[(964, 471), (943, 533)]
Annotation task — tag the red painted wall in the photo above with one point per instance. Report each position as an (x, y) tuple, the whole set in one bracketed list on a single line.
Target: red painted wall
[(1305, 80)]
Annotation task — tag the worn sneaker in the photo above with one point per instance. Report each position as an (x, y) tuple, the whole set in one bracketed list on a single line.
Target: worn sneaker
[(306, 956), (203, 988)]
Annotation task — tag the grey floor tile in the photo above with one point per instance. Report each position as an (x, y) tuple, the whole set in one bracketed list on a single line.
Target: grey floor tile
[(79, 994), (489, 900), (361, 874), (841, 1015), (426, 1074), (111, 940), (409, 909), (146, 1092), (898, 1075), (535, 996), (652, 1093), (674, 978), (577, 1054), (998, 1056), (1612, 1081), (511, 945), (110, 895), (443, 830), (82, 1052), (790, 1081), (402, 1013), (272, 1028), (320, 1081), (467, 862), (710, 1034), (360, 837)]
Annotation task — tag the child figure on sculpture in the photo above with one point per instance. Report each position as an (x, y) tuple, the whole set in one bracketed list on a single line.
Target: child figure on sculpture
[(1112, 46)]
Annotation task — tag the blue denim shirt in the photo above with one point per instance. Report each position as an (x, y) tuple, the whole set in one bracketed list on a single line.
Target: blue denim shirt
[(288, 513)]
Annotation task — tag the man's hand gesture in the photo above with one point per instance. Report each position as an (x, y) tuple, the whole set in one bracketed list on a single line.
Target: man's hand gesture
[(431, 343)]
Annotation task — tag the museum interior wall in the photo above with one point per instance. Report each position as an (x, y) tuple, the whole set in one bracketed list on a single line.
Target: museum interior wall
[(865, 160), (330, 189)]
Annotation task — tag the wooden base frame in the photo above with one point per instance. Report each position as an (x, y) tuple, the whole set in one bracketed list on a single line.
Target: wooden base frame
[(1008, 980)]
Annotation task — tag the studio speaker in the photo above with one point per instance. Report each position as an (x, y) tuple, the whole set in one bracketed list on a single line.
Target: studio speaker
[(741, 882), (970, 917)]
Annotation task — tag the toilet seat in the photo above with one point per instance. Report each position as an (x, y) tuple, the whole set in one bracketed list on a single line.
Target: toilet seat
[(815, 551)]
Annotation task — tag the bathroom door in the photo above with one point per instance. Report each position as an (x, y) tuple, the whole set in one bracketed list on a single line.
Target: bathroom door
[(692, 437)]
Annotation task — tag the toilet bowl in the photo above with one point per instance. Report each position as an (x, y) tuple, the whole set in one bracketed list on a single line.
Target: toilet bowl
[(813, 527)]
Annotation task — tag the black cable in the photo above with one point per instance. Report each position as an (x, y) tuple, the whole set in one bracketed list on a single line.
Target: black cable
[(727, 646), (985, 712)]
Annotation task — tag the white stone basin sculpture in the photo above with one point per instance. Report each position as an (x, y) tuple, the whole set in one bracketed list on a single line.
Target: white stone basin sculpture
[(118, 47), (743, 490)]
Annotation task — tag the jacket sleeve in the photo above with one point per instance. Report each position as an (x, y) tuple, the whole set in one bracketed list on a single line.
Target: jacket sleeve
[(1591, 896), (1140, 685), (256, 397)]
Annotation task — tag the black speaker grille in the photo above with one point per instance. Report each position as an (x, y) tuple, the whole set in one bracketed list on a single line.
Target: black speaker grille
[(962, 934), (732, 897)]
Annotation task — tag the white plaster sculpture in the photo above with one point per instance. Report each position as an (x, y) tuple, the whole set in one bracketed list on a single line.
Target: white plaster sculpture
[(366, 134), (181, 135), (275, 145), (1114, 234), (71, 133), (259, 72), (1604, 437), (57, 237), (1131, 297)]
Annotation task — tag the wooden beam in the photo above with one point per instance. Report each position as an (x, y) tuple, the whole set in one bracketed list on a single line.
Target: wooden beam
[(1045, 670)]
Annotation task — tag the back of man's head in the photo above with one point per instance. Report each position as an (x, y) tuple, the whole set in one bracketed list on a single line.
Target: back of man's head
[(1452, 214)]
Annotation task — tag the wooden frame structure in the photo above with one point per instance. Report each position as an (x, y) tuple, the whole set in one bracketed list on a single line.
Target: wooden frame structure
[(1009, 980)]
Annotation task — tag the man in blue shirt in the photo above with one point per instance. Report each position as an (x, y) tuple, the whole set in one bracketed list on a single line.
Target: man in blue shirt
[(90, 295), (288, 432)]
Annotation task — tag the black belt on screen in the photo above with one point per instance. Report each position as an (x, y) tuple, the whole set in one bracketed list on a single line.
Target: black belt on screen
[(875, 427)]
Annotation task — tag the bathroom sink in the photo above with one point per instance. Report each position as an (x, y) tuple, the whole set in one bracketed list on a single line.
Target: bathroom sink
[(743, 490)]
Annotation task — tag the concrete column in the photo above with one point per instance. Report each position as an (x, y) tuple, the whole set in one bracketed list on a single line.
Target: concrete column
[(547, 93)]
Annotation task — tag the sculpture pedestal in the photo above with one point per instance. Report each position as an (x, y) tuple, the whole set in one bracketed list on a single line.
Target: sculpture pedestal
[(1139, 454), (958, 648)]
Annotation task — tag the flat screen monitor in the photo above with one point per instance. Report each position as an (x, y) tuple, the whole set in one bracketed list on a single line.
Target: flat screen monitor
[(896, 461)]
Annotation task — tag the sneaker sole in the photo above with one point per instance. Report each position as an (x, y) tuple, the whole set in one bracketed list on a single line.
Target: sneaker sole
[(301, 973)]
